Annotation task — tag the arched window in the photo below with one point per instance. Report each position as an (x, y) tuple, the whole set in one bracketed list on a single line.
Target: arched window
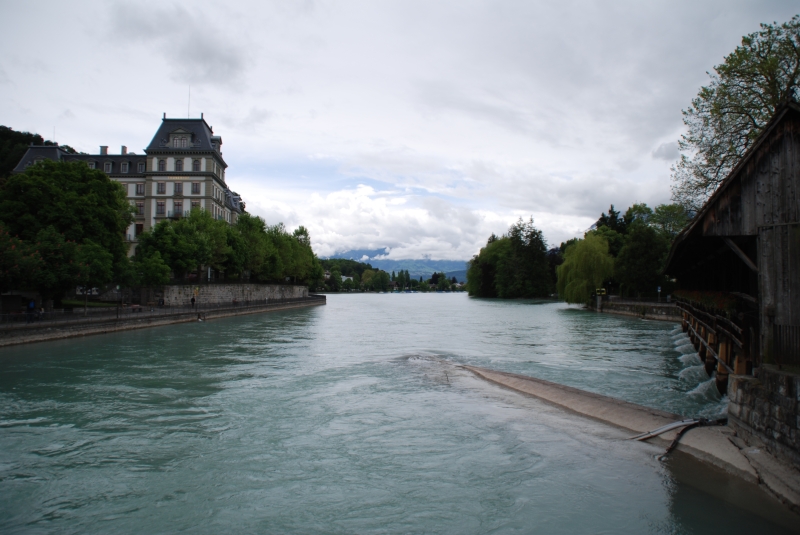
[(179, 165), (196, 166), (162, 165)]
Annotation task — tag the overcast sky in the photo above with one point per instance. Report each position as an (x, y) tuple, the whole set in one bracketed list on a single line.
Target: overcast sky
[(418, 126)]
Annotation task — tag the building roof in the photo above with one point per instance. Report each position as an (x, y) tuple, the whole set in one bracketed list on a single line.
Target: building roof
[(695, 227), (202, 138), (40, 152)]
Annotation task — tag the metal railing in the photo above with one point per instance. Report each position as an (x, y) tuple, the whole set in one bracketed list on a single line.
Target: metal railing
[(130, 312)]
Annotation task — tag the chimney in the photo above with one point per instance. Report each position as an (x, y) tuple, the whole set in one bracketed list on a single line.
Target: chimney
[(165, 115), (123, 150), (201, 114), (103, 149)]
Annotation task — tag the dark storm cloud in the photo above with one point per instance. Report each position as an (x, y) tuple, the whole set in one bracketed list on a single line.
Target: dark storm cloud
[(196, 51)]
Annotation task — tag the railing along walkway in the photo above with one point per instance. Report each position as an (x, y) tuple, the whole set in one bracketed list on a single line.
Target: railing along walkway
[(97, 315)]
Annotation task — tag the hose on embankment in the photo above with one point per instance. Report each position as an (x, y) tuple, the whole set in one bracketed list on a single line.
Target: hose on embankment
[(686, 425)]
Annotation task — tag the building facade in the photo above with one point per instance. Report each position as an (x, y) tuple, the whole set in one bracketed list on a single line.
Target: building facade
[(182, 169)]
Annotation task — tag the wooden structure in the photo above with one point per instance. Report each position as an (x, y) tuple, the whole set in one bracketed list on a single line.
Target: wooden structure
[(745, 242)]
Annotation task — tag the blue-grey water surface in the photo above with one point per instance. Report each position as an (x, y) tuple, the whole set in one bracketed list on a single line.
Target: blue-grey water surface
[(353, 418)]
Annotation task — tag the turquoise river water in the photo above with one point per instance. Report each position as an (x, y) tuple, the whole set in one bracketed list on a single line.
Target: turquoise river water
[(355, 418)]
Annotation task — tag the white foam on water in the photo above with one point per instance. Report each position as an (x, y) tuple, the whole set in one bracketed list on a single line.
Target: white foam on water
[(693, 374), (690, 359)]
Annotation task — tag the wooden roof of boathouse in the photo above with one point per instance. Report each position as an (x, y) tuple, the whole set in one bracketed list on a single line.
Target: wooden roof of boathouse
[(745, 240)]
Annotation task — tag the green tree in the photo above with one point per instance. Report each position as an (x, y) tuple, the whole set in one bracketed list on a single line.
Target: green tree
[(151, 270), (14, 144), (335, 282), (20, 263), (380, 281), (61, 261), (639, 264), (96, 268), (670, 219), (727, 115), (77, 202), (587, 264)]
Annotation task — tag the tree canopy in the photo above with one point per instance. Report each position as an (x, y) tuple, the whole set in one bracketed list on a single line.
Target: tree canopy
[(728, 114), (587, 264), (513, 265)]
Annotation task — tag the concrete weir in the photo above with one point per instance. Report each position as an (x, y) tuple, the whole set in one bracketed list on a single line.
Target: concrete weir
[(714, 445), (710, 444)]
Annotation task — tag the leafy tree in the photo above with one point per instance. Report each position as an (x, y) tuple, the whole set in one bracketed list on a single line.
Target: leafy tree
[(515, 265), (20, 263), (670, 219), (335, 282), (77, 202), (639, 264), (615, 240), (613, 221), (347, 284), (179, 245), (151, 270), (728, 114), (638, 212), (96, 268), (380, 281), (366, 279), (61, 261), (587, 264)]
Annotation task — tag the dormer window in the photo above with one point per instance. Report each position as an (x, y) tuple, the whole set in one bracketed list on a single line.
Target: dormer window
[(179, 165), (141, 167), (123, 168), (179, 142), (90, 164)]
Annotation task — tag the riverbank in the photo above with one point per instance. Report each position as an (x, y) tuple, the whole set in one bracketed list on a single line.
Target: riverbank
[(718, 446), (87, 326)]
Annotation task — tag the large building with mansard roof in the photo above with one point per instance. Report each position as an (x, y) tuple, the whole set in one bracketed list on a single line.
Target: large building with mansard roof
[(182, 169)]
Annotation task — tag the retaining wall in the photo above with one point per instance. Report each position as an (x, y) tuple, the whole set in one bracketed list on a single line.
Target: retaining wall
[(181, 294), (29, 333), (650, 311), (766, 409)]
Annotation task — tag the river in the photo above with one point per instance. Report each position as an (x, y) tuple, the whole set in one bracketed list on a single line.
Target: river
[(353, 418)]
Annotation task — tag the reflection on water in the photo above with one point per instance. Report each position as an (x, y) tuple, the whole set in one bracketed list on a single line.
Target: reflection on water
[(352, 418)]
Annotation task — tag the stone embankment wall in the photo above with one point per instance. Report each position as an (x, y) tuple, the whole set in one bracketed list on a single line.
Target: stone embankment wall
[(650, 311), (765, 409), (225, 293), (41, 332)]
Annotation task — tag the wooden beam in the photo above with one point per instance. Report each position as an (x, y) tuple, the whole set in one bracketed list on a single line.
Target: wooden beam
[(746, 259)]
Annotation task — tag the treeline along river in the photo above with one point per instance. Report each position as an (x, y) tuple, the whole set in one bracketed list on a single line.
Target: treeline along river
[(355, 418)]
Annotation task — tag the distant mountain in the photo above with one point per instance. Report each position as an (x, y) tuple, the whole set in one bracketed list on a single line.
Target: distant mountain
[(461, 276), (420, 267)]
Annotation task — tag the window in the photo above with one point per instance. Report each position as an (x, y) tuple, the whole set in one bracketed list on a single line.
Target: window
[(162, 165), (141, 167), (139, 228), (161, 187), (107, 167), (195, 205), (140, 208), (177, 208), (196, 166), (90, 164), (196, 188), (179, 142), (178, 188), (123, 168), (139, 189), (179, 166), (160, 206)]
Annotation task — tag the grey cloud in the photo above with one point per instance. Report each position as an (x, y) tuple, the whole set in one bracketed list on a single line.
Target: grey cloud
[(667, 151), (194, 50), (5, 79)]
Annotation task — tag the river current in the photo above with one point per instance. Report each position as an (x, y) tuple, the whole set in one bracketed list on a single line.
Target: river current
[(355, 418)]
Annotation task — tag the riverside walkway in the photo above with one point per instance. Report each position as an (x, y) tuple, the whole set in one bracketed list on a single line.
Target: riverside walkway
[(24, 328)]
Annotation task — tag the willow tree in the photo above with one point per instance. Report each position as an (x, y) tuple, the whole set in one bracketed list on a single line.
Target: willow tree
[(728, 114), (587, 264)]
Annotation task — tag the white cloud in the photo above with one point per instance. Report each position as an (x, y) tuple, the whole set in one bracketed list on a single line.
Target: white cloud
[(418, 126)]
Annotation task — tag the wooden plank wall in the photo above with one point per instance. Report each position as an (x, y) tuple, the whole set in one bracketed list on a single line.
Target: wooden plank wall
[(765, 191)]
